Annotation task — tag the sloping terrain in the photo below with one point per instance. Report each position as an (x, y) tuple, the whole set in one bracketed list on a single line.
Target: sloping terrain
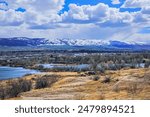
[(123, 84)]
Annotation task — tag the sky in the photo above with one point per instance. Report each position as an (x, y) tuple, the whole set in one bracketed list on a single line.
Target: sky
[(123, 20)]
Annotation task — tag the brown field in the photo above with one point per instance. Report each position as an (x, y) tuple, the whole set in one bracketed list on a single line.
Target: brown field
[(122, 84)]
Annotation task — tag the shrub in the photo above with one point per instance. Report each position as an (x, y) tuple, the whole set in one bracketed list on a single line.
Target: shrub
[(82, 74), (2, 93), (106, 80), (14, 88), (96, 78), (45, 81), (25, 85), (41, 83), (90, 73), (19, 86)]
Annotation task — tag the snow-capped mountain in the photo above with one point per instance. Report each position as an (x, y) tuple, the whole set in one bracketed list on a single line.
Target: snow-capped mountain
[(23, 41), (79, 42)]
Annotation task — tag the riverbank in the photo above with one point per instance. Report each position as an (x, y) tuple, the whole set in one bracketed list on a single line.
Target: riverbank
[(123, 84), (7, 72)]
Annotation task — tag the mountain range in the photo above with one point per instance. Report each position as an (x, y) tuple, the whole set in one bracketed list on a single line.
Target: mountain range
[(42, 42)]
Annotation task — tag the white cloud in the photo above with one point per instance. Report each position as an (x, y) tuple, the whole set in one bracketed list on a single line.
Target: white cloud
[(80, 22), (142, 17), (136, 3), (86, 13), (48, 6), (146, 10), (11, 18), (37, 11), (3, 6), (115, 1), (100, 14), (43, 14), (33, 18), (137, 37)]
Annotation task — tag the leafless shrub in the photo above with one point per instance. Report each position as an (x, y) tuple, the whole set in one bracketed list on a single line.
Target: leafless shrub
[(2, 93), (82, 74), (106, 80), (41, 83), (18, 86), (89, 73), (45, 81), (14, 88), (96, 78), (25, 85), (32, 78)]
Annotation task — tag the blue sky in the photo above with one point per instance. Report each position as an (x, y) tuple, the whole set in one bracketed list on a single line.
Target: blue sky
[(123, 20)]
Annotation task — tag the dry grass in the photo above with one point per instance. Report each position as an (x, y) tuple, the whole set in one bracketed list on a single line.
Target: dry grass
[(123, 84)]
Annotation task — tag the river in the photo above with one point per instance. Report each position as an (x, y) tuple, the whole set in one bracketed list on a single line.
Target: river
[(7, 72)]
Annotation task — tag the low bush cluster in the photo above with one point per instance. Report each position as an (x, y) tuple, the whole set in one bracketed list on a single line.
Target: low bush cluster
[(45, 81), (96, 78), (106, 80), (14, 88)]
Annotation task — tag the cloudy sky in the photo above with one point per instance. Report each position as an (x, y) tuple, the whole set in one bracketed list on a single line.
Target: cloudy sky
[(124, 20)]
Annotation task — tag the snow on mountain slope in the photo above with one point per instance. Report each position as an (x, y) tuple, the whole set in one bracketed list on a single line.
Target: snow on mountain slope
[(81, 42), (24, 41)]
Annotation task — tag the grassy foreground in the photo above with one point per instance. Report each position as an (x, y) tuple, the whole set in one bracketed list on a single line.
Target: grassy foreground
[(121, 84)]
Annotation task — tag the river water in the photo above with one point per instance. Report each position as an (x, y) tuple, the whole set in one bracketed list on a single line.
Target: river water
[(14, 72)]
